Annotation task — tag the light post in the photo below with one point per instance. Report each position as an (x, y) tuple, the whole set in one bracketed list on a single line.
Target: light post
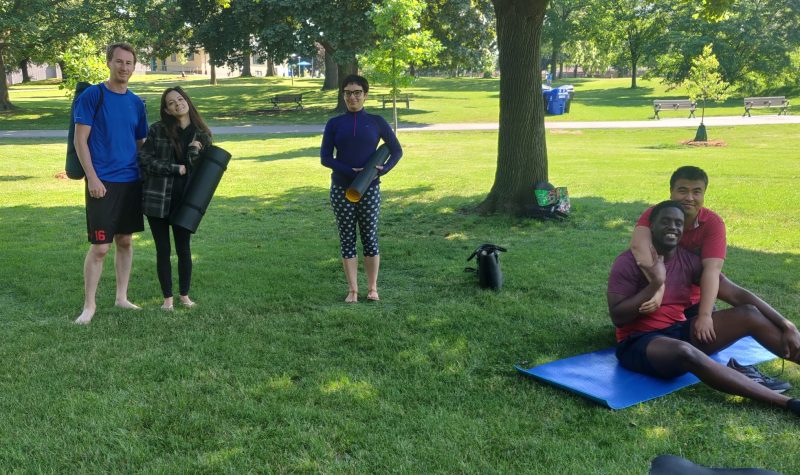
[(291, 68)]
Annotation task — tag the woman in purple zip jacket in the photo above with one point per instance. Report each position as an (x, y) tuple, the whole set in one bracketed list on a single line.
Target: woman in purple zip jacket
[(355, 136)]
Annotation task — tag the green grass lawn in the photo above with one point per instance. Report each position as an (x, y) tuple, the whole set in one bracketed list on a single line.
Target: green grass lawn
[(436, 100), (272, 373)]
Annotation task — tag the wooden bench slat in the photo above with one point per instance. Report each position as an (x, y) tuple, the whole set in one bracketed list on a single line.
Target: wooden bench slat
[(674, 104), (297, 99), (779, 102), (387, 99)]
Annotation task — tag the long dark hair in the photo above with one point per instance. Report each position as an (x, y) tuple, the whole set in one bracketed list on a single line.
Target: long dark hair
[(172, 124)]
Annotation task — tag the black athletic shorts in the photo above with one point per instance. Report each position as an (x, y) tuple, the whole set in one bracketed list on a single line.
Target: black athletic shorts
[(118, 212), (632, 351)]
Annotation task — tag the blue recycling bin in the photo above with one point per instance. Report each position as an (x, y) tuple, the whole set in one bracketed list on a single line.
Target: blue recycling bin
[(545, 92), (557, 102), (570, 90)]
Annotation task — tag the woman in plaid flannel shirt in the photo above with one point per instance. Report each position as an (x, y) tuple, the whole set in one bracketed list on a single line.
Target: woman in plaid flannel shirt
[(167, 158)]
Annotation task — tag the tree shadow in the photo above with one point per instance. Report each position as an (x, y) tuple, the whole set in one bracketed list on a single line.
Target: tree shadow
[(16, 177), (460, 84), (255, 254), (303, 152)]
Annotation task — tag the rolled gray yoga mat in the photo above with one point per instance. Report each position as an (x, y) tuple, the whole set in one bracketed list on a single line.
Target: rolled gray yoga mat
[(674, 465), (365, 176), (201, 187)]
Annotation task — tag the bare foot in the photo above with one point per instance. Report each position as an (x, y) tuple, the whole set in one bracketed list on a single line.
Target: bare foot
[(372, 295), (167, 305), (352, 296), (126, 304), (85, 317), (186, 301)]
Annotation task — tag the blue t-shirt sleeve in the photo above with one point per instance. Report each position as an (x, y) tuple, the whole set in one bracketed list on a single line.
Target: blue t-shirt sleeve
[(86, 106), (141, 126), (390, 139)]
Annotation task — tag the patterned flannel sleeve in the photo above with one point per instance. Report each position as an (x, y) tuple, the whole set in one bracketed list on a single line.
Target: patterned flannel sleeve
[(154, 155)]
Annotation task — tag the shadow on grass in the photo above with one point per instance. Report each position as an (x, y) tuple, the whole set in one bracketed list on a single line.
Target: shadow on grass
[(16, 178), (271, 340), (304, 152), (458, 84), (286, 245)]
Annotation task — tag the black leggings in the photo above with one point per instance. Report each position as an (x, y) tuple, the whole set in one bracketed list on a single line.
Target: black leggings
[(160, 229)]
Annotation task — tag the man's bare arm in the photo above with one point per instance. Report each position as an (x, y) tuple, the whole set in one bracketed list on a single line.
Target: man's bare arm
[(625, 309), (96, 187)]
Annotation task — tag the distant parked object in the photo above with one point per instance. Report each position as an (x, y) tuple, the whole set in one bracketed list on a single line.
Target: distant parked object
[(37, 72)]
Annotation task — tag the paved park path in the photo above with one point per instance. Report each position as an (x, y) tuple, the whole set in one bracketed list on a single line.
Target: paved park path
[(317, 129)]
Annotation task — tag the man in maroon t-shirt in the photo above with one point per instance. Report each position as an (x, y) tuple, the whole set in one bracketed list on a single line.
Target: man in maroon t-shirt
[(661, 343), (704, 235)]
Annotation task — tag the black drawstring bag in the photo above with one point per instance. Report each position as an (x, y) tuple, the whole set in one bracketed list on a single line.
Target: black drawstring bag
[(488, 258)]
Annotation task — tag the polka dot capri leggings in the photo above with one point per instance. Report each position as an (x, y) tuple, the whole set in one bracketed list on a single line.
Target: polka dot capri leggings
[(365, 213)]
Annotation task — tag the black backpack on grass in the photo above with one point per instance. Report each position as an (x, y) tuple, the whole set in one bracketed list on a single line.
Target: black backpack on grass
[(488, 258), (73, 166)]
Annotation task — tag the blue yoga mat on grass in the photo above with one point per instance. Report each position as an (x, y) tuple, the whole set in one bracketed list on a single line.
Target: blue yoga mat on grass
[(599, 377)]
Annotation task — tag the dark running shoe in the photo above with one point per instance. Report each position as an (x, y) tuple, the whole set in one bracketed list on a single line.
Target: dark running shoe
[(757, 376)]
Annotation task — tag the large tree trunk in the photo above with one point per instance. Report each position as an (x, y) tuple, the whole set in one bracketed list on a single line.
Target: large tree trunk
[(521, 147), (5, 99), (23, 66), (554, 60), (331, 70), (270, 67), (345, 69), (633, 48), (246, 73), (212, 71), (64, 75)]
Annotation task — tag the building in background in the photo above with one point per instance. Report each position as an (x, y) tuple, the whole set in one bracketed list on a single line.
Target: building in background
[(197, 63)]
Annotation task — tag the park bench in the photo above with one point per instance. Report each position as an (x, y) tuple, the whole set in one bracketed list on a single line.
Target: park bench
[(674, 104), (387, 98), (296, 99), (779, 102)]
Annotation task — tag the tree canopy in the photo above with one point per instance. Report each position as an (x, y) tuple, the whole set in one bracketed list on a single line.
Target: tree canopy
[(401, 44)]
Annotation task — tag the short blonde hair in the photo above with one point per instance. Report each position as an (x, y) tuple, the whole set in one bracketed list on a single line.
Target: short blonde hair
[(127, 47)]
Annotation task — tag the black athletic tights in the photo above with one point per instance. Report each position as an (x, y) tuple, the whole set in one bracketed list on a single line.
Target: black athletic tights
[(160, 229)]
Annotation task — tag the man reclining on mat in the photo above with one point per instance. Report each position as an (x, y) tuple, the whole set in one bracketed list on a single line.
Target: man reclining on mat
[(662, 343), (704, 235)]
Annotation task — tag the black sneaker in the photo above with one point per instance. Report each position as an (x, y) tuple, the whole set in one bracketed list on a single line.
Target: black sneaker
[(794, 406), (756, 375)]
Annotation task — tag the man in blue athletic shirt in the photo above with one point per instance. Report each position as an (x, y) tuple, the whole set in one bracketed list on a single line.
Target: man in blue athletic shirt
[(110, 126)]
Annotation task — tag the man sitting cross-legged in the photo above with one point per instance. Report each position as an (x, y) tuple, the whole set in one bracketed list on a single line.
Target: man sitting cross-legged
[(662, 344)]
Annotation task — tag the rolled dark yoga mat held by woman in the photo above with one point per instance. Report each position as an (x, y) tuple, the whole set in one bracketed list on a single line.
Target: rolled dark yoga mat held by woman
[(201, 187), (167, 159), (365, 177), (354, 136)]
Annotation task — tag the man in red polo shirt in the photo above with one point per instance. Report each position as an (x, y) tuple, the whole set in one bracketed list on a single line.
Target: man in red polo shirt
[(662, 343), (704, 235)]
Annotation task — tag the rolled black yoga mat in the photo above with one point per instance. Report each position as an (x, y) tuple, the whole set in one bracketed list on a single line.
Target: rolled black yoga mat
[(365, 176), (201, 187)]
